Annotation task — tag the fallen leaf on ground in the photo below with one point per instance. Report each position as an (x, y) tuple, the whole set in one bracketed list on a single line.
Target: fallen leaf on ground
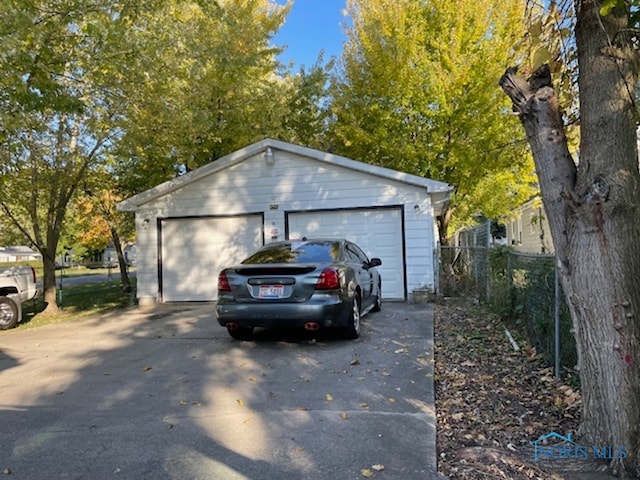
[(492, 402)]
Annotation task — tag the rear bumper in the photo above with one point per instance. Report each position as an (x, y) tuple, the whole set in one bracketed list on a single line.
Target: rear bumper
[(327, 311)]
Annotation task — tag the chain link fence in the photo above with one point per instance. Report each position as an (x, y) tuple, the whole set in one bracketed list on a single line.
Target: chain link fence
[(521, 288)]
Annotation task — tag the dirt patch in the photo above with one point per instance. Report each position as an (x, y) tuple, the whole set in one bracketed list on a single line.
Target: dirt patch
[(493, 401)]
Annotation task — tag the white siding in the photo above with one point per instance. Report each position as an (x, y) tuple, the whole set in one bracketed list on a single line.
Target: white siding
[(529, 229), (420, 240), (147, 259), (293, 183)]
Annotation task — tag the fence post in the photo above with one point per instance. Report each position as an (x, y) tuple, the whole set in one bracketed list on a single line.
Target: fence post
[(509, 281), (556, 319), (488, 274), (437, 256)]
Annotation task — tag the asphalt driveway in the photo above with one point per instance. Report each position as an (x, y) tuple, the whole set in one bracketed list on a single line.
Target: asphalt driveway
[(166, 394)]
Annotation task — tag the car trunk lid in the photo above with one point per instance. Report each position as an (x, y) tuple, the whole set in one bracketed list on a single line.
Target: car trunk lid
[(273, 283)]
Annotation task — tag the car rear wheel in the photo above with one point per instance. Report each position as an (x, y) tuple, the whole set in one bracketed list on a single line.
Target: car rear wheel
[(8, 313), (241, 333), (353, 328)]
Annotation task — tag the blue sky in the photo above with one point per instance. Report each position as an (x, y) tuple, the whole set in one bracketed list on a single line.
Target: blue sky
[(311, 26)]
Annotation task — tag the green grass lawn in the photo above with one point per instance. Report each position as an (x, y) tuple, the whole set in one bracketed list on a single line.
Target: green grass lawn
[(79, 301)]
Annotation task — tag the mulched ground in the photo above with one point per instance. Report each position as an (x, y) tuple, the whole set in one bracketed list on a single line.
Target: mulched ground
[(493, 401)]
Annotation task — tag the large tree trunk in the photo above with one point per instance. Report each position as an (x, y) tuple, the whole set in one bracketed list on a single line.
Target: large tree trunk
[(49, 281), (48, 252), (443, 225), (122, 263), (594, 213)]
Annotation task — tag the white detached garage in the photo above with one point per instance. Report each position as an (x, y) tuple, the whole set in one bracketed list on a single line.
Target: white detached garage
[(191, 227)]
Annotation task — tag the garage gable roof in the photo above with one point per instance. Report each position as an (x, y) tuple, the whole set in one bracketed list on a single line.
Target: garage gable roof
[(440, 191)]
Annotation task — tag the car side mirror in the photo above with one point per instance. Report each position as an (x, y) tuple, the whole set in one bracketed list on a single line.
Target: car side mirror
[(374, 262)]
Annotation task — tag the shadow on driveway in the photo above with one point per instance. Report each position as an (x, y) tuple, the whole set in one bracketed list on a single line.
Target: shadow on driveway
[(166, 394)]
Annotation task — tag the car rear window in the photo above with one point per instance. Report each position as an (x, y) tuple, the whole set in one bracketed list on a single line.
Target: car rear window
[(297, 252)]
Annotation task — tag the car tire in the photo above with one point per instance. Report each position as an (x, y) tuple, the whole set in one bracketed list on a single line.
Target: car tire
[(8, 313), (378, 305), (241, 333), (353, 327)]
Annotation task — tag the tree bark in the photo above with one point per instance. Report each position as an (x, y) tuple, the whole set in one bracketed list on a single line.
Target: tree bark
[(593, 214), (442, 222), (122, 263), (49, 281)]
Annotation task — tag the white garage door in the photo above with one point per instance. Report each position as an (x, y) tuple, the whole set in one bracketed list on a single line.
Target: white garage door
[(194, 250), (377, 231)]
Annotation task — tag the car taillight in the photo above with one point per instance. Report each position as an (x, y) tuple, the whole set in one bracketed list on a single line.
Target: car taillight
[(329, 279), (223, 283)]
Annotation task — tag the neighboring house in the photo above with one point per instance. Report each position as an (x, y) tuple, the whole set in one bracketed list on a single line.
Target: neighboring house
[(480, 235), (191, 227), (528, 228), (18, 253), (109, 257)]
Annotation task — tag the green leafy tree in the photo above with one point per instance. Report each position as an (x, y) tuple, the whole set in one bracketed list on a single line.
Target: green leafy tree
[(100, 223), (57, 122), (206, 85), (133, 92), (305, 114), (593, 212), (416, 92)]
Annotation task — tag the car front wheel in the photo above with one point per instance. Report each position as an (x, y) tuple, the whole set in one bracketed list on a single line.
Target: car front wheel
[(353, 328), (8, 313)]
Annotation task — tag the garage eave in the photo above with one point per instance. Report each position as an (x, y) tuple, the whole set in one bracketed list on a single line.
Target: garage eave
[(133, 203), (440, 201), (441, 190)]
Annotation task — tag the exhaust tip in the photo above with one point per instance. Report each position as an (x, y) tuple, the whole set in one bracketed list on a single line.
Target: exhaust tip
[(232, 326), (311, 326)]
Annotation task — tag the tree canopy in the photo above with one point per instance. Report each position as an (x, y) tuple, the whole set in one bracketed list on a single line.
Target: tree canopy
[(136, 92), (416, 92), (139, 90), (58, 110)]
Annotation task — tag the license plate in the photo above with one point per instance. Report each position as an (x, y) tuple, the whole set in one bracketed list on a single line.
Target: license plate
[(271, 291)]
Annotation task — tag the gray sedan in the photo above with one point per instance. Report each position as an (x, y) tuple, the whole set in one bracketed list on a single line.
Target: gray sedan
[(308, 283)]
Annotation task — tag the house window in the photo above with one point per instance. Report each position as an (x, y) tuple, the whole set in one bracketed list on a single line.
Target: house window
[(516, 232)]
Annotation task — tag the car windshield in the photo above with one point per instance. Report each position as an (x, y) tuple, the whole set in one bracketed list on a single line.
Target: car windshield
[(297, 252)]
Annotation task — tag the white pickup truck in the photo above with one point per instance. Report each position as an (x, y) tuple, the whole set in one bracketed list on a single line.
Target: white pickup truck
[(17, 285)]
